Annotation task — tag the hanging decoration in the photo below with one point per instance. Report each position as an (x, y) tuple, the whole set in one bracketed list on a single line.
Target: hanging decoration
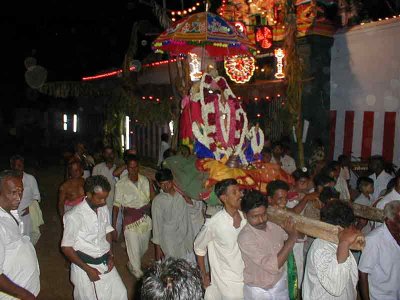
[(239, 68), (279, 54), (240, 27), (195, 67), (264, 37), (184, 12)]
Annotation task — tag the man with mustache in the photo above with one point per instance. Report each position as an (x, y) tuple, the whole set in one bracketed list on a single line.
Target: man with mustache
[(265, 248)]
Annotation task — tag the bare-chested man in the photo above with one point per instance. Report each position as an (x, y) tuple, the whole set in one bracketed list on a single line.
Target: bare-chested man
[(71, 191)]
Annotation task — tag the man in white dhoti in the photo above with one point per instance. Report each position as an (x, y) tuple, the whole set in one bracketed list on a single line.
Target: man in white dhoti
[(106, 169), (133, 193), (87, 244), (172, 228), (331, 270), (219, 237), (380, 260), (265, 248), (19, 268), (31, 194)]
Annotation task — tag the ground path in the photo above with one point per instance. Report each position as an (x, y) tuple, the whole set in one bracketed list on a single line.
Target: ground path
[(54, 279)]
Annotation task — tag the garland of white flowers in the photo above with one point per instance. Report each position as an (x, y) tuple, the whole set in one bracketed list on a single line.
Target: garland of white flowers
[(208, 108), (257, 147)]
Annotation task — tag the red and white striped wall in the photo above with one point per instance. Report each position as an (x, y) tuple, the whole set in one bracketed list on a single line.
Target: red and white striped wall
[(365, 133)]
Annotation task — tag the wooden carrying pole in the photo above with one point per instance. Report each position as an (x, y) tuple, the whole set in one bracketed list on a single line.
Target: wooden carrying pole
[(361, 211), (312, 227), (367, 212)]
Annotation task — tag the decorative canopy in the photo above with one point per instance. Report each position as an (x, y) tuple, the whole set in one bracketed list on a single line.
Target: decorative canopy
[(207, 31)]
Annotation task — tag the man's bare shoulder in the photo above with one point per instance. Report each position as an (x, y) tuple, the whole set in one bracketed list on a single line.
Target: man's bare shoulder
[(73, 182)]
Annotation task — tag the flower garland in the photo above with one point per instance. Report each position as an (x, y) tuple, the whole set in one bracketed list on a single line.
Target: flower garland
[(256, 145), (221, 141)]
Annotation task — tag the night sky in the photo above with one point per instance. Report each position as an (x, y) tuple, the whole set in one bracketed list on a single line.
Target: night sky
[(72, 39)]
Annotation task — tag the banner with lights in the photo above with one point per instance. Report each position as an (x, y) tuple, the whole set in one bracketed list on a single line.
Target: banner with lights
[(264, 37)]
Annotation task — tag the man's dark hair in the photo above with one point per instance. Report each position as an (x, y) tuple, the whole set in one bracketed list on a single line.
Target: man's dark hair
[(391, 184), (337, 212), (378, 158), (74, 162), (363, 181), (108, 147), (299, 173), (342, 158), (275, 185), (164, 175), (16, 157), (172, 279), (328, 193), (331, 167), (168, 153), (222, 186), (276, 144), (8, 174), (164, 137), (253, 199), (322, 180), (266, 150), (94, 183), (131, 157)]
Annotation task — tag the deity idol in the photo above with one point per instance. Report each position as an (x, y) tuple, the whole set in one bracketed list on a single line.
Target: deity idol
[(222, 130)]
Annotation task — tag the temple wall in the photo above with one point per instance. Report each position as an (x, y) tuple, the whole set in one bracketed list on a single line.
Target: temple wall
[(365, 91)]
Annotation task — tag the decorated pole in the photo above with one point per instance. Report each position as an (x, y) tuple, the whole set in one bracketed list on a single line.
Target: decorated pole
[(294, 72), (312, 227)]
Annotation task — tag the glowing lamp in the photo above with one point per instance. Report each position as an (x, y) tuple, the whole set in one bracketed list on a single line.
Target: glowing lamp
[(279, 54)]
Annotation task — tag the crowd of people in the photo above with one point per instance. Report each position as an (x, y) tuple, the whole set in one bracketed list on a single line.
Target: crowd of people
[(232, 252)]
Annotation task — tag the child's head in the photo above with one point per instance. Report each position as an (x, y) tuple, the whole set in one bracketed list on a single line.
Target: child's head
[(365, 185), (266, 154), (301, 179), (328, 194), (321, 181), (277, 193)]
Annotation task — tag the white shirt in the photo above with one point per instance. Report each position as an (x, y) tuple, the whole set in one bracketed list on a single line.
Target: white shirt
[(288, 163), (325, 278), (392, 196), (380, 259), (342, 188), (363, 200), (163, 147), (31, 191), (129, 194), (86, 231), (219, 237), (344, 173), (380, 183), (102, 169), (18, 259)]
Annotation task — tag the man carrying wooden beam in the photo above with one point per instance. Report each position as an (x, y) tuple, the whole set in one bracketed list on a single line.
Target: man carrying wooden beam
[(331, 270), (265, 248)]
